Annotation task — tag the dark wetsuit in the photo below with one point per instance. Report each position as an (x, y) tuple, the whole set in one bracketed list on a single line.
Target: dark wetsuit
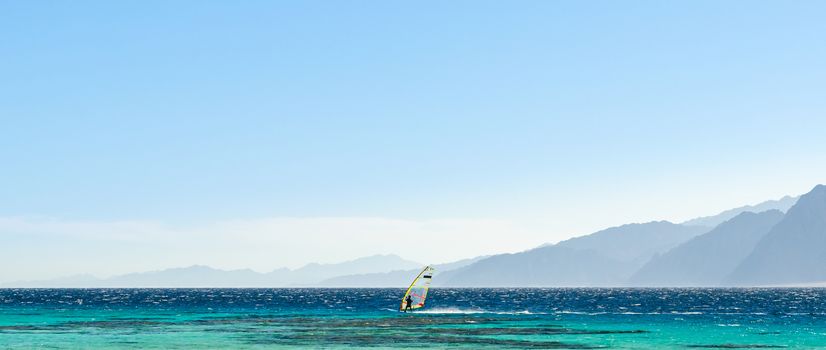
[(409, 302)]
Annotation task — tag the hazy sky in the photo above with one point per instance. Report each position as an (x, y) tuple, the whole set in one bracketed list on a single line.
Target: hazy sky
[(142, 135)]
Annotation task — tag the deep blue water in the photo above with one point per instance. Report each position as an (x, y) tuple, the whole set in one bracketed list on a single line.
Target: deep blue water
[(357, 318)]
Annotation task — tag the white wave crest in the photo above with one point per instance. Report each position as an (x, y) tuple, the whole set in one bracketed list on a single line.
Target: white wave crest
[(460, 311), (451, 310)]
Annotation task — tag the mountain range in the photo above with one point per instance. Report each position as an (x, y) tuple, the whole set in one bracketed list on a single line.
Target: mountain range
[(394, 278), (707, 260), (775, 243), (204, 276), (756, 245), (782, 204), (793, 251), (604, 258)]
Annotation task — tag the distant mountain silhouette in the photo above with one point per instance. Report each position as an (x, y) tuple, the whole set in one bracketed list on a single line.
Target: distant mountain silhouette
[(794, 251), (76, 281), (735, 247), (315, 273), (542, 267), (204, 276), (707, 259), (192, 277), (635, 243), (782, 204), (604, 258), (399, 278)]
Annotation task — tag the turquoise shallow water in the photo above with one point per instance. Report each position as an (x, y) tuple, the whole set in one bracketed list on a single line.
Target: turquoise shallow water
[(454, 318)]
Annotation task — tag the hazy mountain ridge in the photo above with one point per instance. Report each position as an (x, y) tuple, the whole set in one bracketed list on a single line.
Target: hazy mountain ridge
[(635, 243), (782, 204), (742, 250), (794, 251), (394, 278), (548, 266), (765, 248), (707, 259), (312, 274), (204, 276), (604, 258)]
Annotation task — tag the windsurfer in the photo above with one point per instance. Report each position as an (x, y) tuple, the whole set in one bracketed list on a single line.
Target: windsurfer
[(409, 302)]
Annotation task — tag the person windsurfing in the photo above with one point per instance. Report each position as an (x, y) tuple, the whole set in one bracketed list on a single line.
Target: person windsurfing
[(418, 288), (409, 302)]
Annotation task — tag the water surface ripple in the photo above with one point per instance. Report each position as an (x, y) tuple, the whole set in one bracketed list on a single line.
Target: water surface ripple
[(519, 318)]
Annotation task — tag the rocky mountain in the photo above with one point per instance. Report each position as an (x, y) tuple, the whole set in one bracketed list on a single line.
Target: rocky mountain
[(782, 204), (747, 246), (707, 259), (605, 258), (793, 251), (635, 243)]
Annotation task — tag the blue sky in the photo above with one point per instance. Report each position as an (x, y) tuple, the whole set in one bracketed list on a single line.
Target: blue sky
[(550, 118)]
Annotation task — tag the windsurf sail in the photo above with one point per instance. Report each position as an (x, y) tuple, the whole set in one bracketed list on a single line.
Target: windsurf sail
[(418, 290)]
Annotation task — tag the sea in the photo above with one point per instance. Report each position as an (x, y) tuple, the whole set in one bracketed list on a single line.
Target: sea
[(518, 318)]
